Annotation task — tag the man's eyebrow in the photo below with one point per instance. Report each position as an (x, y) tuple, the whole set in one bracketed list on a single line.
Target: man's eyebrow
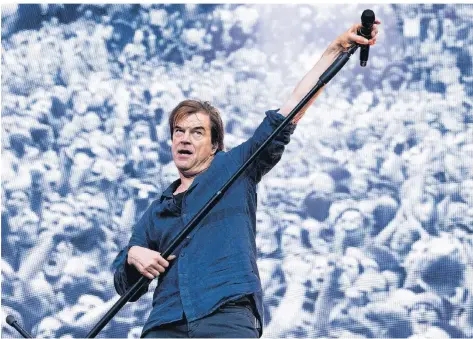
[(193, 128)]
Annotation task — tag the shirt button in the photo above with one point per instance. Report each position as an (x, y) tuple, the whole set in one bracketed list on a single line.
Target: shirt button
[(188, 237), (183, 255)]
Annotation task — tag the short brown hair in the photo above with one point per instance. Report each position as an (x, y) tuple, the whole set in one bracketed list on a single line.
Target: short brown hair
[(188, 107)]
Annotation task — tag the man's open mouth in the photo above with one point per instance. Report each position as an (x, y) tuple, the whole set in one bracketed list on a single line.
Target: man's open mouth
[(184, 152)]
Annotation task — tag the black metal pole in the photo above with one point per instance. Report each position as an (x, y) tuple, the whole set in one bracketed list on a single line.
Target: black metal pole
[(14, 323), (324, 79)]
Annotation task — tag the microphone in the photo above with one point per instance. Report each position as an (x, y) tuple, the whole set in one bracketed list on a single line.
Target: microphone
[(12, 322), (367, 21)]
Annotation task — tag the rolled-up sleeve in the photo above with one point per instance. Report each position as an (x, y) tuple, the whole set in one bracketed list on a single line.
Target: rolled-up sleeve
[(125, 274), (271, 155)]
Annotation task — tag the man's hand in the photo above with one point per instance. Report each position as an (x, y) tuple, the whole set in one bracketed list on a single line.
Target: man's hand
[(336, 47), (350, 37), (148, 262)]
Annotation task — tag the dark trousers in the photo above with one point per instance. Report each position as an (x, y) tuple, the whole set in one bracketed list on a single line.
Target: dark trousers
[(232, 320)]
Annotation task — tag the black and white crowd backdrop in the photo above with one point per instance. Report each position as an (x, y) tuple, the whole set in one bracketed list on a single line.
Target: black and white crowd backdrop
[(365, 227)]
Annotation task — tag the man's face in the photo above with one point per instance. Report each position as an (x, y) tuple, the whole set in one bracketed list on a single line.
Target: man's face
[(97, 211), (17, 202), (25, 229), (424, 314), (456, 215), (192, 144), (57, 260), (424, 208), (291, 239), (298, 267), (402, 240), (358, 187), (350, 220), (54, 213), (48, 327), (350, 268), (319, 271)]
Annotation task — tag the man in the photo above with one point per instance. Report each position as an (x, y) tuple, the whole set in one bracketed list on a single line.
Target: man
[(212, 288)]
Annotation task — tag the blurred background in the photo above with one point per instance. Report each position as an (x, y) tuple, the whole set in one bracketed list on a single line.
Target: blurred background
[(365, 227)]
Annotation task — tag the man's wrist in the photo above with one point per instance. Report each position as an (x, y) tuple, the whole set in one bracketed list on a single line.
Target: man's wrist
[(334, 48), (128, 255)]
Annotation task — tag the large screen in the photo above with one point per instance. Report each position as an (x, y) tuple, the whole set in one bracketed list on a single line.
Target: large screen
[(364, 227)]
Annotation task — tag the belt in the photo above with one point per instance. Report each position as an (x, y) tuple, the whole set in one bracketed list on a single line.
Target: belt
[(246, 301), (243, 301)]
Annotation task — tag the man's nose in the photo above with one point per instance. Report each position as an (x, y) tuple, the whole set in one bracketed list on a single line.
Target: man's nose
[(186, 138)]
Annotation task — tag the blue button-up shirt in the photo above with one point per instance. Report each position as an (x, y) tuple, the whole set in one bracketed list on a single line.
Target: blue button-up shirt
[(217, 261)]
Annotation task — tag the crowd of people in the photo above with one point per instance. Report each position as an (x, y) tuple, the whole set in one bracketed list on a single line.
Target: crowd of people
[(365, 227)]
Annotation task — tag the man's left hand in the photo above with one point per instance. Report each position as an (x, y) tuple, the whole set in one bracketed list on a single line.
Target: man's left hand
[(350, 37)]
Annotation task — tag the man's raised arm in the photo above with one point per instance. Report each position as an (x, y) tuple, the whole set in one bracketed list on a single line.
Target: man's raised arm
[(336, 47)]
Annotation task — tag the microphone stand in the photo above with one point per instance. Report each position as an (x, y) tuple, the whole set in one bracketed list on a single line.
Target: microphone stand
[(142, 281), (14, 323), (323, 80)]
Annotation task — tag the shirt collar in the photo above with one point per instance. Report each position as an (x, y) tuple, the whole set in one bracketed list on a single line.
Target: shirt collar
[(171, 188), (168, 193)]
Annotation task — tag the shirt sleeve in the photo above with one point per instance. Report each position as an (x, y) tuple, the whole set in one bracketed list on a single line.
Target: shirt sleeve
[(271, 155), (127, 275)]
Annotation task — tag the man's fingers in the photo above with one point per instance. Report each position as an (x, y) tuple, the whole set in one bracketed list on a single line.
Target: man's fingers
[(358, 39), (148, 262), (154, 268), (161, 261), (354, 28), (171, 257), (351, 36), (142, 270), (154, 272), (159, 268)]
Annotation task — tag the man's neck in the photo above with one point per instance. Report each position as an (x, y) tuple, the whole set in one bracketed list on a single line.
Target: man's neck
[(185, 184), (187, 180)]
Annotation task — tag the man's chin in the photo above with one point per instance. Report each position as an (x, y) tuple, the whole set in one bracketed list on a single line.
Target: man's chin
[(182, 168), (189, 173)]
